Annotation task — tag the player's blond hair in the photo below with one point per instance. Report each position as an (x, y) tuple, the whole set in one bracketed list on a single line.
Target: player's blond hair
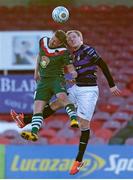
[(75, 31)]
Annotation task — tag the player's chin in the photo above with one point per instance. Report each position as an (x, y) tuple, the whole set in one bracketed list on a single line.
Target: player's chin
[(74, 45)]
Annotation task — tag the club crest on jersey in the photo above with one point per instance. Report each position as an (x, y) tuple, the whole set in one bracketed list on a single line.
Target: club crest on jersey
[(44, 61)]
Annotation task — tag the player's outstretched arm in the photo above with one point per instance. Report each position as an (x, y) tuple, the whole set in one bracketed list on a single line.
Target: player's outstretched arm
[(113, 88)]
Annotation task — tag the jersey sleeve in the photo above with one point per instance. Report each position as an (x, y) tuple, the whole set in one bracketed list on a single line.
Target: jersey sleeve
[(40, 45), (97, 60), (40, 42), (101, 63), (67, 58), (92, 54)]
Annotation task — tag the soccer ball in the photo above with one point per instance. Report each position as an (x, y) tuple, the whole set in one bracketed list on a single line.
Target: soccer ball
[(60, 14)]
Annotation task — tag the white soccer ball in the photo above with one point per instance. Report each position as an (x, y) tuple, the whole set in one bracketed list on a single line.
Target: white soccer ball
[(60, 14)]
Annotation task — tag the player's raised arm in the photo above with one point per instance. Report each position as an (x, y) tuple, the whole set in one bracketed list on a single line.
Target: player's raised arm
[(113, 88)]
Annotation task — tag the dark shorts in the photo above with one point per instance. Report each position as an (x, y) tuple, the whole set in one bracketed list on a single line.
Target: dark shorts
[(47, 87)]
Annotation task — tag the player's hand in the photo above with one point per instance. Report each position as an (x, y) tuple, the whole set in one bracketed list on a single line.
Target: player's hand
[(74, 74), (71, 81), (115, 91)]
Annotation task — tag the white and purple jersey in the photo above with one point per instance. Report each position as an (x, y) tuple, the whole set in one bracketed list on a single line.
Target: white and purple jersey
[(86, 60)]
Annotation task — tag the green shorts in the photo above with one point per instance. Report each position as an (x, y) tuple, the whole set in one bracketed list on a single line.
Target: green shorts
[(47, 87)]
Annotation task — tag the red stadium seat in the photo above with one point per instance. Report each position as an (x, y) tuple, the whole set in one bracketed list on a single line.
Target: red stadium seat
[(67, 133), (57, 140), (105, 134), (112, 125), (48, 133), (96, 124), (116, 101), (110, 108), (10, 134), (101, 116), (4, 140), (121, 117), (96, 140), (74, 140), (128, 108), (55, 124)]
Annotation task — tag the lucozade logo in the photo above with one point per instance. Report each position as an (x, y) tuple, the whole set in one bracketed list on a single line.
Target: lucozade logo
[(93, 163)]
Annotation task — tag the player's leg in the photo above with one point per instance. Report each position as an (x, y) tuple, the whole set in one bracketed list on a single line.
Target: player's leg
[(41, 97), (72, 99), (86, 98), (37, 120), (22, 120), (84, 137), (69, 107), (61, 94)]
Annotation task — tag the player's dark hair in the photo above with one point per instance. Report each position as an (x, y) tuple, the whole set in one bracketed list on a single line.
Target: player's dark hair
[(61, 35)]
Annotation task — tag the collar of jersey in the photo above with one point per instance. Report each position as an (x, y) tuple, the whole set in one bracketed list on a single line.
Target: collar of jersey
[(51, 51)]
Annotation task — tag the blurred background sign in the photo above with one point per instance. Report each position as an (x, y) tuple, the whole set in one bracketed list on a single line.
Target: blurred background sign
[(55, 161), (18, 49), (17, 92)]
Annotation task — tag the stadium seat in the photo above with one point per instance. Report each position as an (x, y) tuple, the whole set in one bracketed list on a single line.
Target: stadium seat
[(4, 140), (66, 132), (128, 108), (126, 92), (96, 124), (74, 140), (129, 100), (55, 124), (47, 133), (129, 141), (101, 116), (118, 101), (105, 134), (121, 117), (10, 134), (57, 140), (97, 141), (109, 108), (112, 125)]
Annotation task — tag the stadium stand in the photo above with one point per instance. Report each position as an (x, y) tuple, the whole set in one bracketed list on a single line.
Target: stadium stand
[(104, 28)]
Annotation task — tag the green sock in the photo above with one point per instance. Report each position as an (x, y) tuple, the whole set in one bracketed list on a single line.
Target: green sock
[(70, 109), (37, 120)]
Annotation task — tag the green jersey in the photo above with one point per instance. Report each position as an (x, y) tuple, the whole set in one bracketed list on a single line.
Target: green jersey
[(52, 61)]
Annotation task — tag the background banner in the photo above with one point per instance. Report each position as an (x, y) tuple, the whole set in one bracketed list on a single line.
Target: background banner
[(16, 92), (22, 47), (54, 162)]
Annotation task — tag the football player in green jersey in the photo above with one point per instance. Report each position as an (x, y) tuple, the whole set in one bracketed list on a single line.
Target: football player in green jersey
[(49, 74)]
